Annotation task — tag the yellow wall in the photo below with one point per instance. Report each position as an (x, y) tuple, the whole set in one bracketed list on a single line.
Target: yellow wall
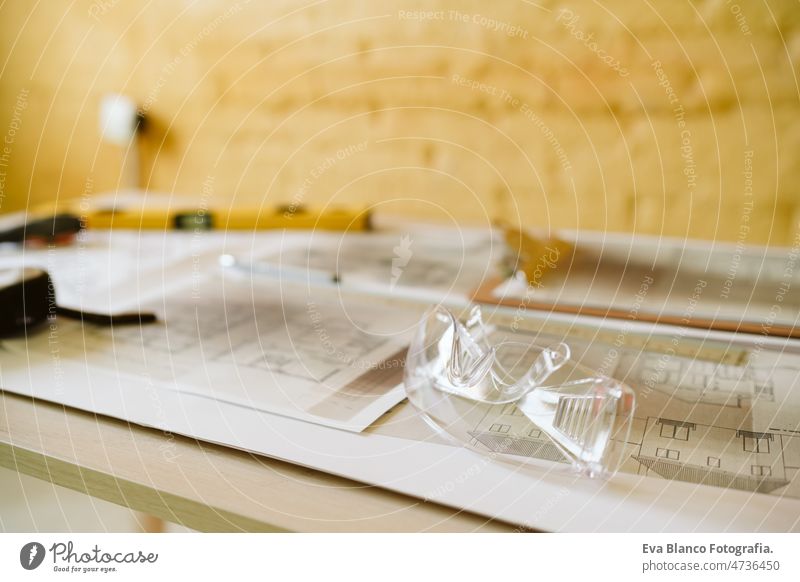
[(649, 125)]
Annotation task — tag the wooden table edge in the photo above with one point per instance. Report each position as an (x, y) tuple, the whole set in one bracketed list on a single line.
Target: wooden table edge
[(59, 469)]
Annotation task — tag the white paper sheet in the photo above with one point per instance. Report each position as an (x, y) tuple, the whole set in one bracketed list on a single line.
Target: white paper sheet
[(531, 496), (731, 283), (276, 348), (281, 347), (436, 263), (400, 452)]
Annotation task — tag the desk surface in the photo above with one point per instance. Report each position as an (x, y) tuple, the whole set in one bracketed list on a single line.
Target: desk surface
[(199, 485)]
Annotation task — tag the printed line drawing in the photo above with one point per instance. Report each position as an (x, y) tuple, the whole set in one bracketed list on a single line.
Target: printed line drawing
[(713, 455), (697, 419)]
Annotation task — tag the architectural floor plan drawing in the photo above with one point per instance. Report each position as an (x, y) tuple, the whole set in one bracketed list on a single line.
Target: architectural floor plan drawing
[(761, 462), (262, 345), (701, 381), (697, 420), (252, 337)]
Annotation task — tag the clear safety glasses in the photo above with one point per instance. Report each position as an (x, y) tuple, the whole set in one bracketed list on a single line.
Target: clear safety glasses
[(515, 398)]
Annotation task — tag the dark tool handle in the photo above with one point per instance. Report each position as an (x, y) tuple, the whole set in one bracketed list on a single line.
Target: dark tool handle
[(49, 229)]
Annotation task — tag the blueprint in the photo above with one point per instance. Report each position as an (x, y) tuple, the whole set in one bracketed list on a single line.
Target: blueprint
[(727, 415), (709, 411), (274, 348)]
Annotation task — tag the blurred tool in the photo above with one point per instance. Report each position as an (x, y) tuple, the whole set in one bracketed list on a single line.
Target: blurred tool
[(281, 272), (57, 229), (192, 217), (142, 210), (28, 299), (323, 278)]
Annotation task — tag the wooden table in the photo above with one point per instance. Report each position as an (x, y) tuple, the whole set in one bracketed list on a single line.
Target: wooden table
[(199, 485)]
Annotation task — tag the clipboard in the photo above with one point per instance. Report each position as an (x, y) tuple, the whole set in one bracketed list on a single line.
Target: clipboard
[(649, 290)]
